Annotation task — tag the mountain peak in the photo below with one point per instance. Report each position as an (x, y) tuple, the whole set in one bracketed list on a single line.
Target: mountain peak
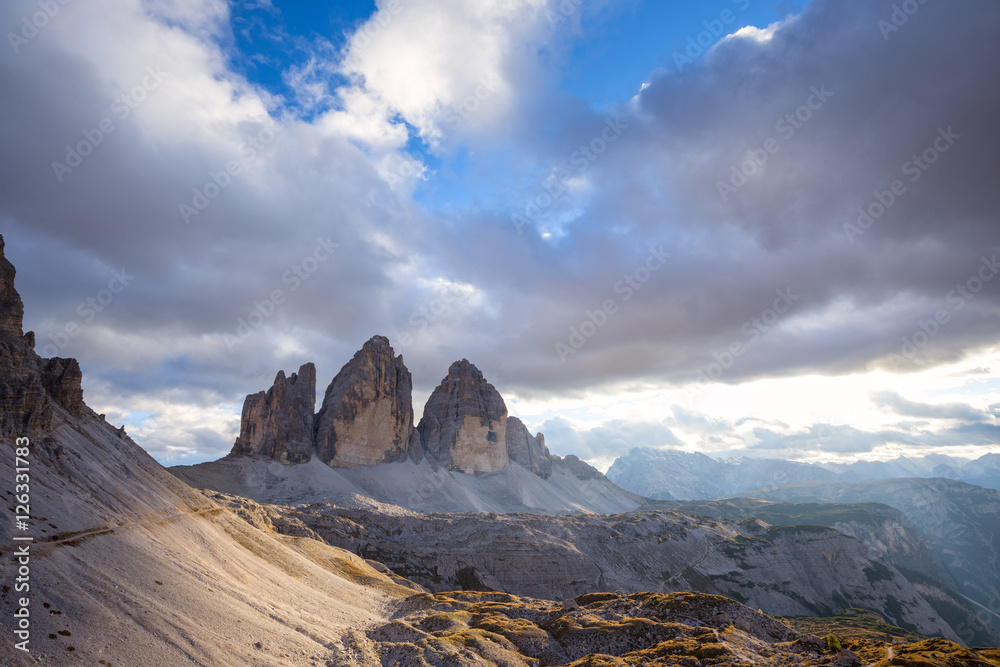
[(464, 426), (278, 423), (367, 413)]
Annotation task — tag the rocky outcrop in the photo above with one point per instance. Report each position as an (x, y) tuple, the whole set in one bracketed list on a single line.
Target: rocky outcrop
[(278, 423), (464, 426), (367, 413), (580, 469), (63, 380), (29, 384), (528, 450)]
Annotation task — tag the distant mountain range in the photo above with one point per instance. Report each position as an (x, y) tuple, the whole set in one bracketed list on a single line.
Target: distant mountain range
[(671, 474), (960, 520)]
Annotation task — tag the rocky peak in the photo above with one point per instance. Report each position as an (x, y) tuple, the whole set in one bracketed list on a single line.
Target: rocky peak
[(528, 450), (11, 306), (367, 413), (580, 469), (278, 423), (464, 426)]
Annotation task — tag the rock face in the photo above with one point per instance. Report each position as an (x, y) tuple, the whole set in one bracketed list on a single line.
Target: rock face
[(11, 306), (464, 426), (961, 521), (279, 423), (63, 379), (528, 450), (367, 413)]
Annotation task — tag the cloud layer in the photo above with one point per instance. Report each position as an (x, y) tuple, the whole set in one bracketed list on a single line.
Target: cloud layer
[(813, 197)]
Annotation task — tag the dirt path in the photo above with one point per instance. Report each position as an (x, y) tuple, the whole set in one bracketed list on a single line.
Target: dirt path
[(37, 546)]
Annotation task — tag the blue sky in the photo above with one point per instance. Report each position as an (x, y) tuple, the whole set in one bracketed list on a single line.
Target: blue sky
[(721, 226)]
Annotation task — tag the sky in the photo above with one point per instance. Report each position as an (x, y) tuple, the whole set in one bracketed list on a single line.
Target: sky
[(739, 227)]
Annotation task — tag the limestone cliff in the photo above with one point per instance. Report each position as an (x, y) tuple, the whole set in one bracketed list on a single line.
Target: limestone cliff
[(11, 306), (279, 423), (367, 413), (528, 450), (464, 426)]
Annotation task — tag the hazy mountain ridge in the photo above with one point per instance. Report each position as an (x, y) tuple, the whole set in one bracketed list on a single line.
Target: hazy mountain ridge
[(672, 474)]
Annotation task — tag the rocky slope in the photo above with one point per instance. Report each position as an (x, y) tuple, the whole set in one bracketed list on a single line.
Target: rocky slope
[(961, 521), (367, 413), (787, 570), (885, 530), (129, 566)]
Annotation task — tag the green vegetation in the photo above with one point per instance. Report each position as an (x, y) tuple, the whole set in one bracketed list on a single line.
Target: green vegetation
[(851, 623)]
